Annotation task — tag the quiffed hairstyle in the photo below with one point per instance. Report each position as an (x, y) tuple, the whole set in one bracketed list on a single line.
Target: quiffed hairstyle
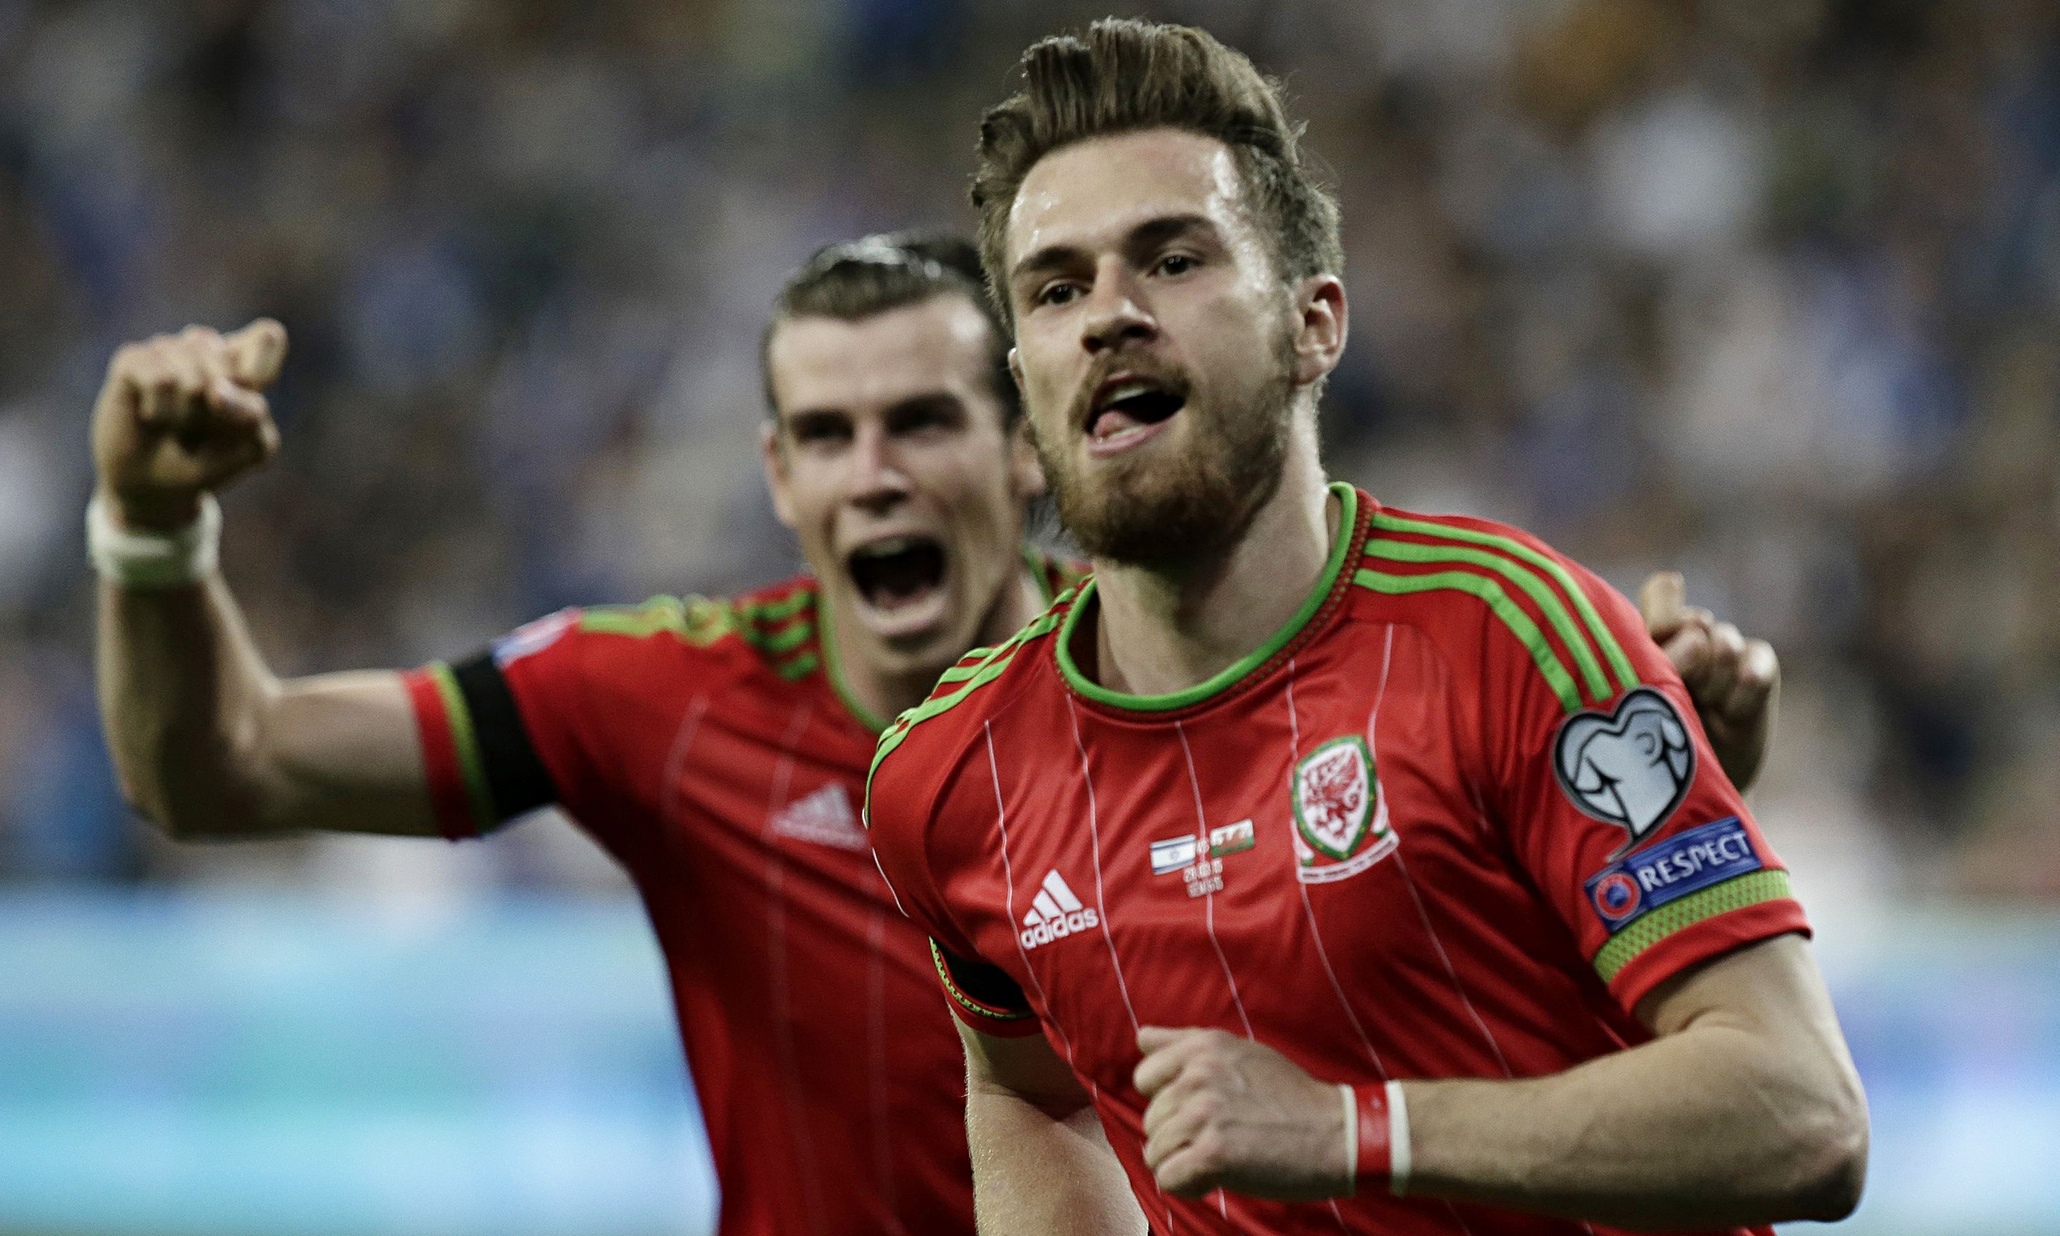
[(1127, 75), (857, 279)]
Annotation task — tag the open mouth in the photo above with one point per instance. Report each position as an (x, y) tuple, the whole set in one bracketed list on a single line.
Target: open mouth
[(1127, 402), (899, 571)]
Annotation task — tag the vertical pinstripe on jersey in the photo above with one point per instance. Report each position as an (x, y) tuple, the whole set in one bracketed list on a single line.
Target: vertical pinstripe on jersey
[(1409, 881), (1008, 875), (1101, 905), (1094, 835), (1209, 916), (676, 759), (776, 954), (1309, 910), (1209, 907)]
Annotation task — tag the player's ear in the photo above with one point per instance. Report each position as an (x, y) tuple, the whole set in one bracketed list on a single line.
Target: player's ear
[(1016, 369), (1323, 319), (773, 456)]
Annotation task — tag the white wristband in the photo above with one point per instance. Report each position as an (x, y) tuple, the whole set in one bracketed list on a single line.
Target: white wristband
[(1351, 1132), (1398, 1141), (171, 559)]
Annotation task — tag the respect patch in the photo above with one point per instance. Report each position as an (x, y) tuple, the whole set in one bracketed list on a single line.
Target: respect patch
[(1669, 870)]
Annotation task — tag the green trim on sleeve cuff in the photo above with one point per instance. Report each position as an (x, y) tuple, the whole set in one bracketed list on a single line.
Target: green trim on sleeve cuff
[(1738, 893)]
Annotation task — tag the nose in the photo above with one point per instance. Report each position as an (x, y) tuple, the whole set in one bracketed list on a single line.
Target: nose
[(877, 482), (1116, 313)]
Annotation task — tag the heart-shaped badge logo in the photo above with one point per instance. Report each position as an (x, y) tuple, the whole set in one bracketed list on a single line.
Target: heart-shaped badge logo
[(1630, 767)]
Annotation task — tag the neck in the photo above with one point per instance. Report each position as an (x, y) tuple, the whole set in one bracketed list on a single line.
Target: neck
[(1163, 630), (884, 686)]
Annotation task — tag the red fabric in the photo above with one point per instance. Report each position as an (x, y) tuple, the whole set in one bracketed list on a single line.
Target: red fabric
[(440, 757), (828, 1072), (1456, 939), (1376, 1151)]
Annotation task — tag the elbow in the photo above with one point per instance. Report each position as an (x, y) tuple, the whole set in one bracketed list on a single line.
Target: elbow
[(1830, 1160), (194, 813)]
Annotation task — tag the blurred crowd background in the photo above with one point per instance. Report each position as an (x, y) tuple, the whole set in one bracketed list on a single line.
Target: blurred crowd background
[(1768, 290)]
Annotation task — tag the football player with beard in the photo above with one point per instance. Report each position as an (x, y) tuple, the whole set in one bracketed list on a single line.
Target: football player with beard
[(1315, 865), (717, 748)]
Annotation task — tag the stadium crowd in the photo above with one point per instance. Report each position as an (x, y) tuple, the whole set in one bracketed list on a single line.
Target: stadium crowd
[(1768, 290)]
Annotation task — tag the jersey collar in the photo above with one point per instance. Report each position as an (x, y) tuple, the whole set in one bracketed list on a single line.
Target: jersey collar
[(1253, 665)]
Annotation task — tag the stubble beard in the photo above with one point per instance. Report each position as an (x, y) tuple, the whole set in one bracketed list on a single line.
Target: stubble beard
[(1170, 513)]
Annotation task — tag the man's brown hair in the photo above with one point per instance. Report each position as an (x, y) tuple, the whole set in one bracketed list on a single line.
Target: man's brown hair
[(859, 279), (1126, 75)]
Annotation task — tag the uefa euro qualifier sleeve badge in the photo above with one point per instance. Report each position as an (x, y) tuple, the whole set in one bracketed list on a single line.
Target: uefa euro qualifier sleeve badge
[(1630, 767), (1341, 816)]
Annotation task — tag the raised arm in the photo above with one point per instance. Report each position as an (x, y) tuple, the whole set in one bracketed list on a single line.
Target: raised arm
[(207, 742), (1745, 1109), (1040, 1161)]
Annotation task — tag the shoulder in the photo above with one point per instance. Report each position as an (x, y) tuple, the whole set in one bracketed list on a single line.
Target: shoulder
[(775, 627), (1490, 594), (918, 752)]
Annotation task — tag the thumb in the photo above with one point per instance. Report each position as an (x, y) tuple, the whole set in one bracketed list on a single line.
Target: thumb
[(256, 352), (1157, 1038), (1663, 602)]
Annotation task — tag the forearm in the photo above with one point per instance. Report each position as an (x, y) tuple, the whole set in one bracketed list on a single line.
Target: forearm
[(182, 695), (1036, 1173), (1724, 1122)]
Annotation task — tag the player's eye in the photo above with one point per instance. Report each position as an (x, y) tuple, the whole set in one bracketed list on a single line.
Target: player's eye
[(921, 416), (1177, 263), (1057, 292), (819, 430)]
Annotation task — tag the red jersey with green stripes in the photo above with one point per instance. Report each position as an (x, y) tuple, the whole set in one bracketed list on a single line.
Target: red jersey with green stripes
[(707, 746), (1453, 821)]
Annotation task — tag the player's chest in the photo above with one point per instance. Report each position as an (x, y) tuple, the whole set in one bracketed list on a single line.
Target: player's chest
[(1205, 863), (751, 774)]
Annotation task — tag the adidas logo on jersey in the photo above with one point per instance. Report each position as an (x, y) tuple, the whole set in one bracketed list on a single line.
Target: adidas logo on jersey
[(824, 817), (1055, 913)]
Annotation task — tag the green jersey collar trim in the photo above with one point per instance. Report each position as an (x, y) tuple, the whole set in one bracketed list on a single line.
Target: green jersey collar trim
[(833, 668), (1326, 583), (1034, 559)]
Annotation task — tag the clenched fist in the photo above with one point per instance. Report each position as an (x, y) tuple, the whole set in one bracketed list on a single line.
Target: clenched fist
[(1229, 1113), (1735, 681), (183, 415)]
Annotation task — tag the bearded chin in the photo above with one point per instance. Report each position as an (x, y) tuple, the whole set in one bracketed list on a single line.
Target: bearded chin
[(1177, 512)]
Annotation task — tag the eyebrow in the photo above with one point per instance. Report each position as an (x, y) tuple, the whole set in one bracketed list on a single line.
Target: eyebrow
[(1145, 236)]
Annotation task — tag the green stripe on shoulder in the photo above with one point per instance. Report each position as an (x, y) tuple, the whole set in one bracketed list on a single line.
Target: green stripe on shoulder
[(1605, 639), (697, 620), (1736, 893), (780, 628), (964, 678), (1498, 602), (1544, 598), (471, 768)]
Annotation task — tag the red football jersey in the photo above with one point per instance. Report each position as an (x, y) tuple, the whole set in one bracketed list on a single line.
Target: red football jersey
[(1453, 821), (706, 744)]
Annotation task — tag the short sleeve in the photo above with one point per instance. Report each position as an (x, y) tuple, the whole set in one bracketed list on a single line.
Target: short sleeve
[(1615, 804), (481, 719), (898, 807)]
